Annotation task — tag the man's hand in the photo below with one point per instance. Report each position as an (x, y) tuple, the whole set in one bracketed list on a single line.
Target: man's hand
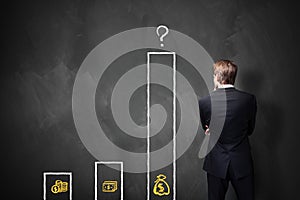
[(207, 130)]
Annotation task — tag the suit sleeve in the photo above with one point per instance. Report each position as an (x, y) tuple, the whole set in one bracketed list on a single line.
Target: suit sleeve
[(252, 120), (204, 118)]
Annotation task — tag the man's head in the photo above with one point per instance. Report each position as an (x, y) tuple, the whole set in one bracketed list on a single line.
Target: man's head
[(224, 72)]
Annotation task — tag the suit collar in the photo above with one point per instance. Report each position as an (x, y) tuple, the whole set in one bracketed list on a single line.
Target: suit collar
[(226, 86), (225, 89)]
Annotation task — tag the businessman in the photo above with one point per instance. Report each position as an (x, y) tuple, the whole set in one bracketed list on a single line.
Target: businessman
[(230, 158)]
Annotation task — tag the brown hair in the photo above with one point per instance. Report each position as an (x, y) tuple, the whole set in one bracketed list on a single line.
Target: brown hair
[(226, 71)]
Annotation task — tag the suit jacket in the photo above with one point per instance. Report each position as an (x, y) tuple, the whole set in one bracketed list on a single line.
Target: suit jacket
[(233, 145)]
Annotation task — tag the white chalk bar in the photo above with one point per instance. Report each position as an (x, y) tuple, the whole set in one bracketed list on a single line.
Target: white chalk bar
[(109, 180), (57, 185), (164, 188)]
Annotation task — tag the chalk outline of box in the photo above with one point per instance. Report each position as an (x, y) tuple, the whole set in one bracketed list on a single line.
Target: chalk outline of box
[(148, 120), (56, 174), (96, 175)]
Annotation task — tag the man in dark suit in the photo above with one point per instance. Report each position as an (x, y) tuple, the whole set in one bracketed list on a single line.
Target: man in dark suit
[(229, 159)]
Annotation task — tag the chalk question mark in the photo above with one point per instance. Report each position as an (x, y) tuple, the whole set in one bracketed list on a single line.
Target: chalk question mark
[(161, 37)]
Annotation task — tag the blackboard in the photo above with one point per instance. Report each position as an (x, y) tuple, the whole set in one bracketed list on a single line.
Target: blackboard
[(44, 43)]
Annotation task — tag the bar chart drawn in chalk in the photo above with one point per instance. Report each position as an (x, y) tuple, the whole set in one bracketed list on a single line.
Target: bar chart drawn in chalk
[(88, 128)]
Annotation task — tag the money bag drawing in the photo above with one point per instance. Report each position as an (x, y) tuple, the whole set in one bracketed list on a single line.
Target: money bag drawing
[(161, 187)]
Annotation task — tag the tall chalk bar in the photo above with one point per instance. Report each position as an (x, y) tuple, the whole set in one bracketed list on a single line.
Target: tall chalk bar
[(161, 183), (109, 180)]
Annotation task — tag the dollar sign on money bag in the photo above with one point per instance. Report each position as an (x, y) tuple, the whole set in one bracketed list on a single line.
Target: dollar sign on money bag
[(161, 187)]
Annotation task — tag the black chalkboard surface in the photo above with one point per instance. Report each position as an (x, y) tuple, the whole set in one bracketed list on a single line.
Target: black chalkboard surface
[(44, 43)]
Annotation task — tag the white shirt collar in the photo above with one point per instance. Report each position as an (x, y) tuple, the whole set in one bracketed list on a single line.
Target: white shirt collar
[(226, 86)]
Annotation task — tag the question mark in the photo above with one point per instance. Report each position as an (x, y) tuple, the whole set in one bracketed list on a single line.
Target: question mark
[(161, 38)]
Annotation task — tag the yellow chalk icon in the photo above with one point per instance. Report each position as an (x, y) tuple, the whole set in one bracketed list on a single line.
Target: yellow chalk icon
[(59, 187), (109, 186), (161, 187)]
